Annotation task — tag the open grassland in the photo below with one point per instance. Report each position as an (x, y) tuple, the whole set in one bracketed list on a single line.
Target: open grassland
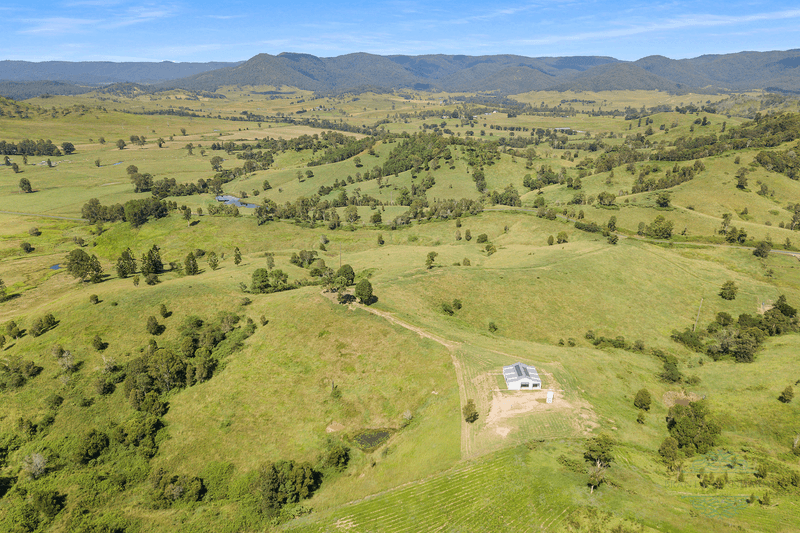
[(311, 372)]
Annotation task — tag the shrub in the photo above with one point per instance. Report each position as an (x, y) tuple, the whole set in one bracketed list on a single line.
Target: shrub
[(492, 327), (787, 395), (53, 401), (97, 343), (90, 446)]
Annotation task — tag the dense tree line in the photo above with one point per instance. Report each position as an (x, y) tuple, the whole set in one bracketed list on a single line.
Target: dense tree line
[(30, 148), (137, 212)]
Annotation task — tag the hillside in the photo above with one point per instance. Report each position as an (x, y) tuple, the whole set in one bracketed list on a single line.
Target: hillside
[(329, 354), (502, 74)]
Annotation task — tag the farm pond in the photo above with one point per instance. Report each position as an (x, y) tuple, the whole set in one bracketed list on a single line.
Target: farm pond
[(233, 200), (368, 440)]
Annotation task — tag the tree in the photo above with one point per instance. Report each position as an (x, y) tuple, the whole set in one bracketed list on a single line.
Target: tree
[(183, 131), (81, 265), (561, 238), (431, 258), (741, 179), (189, 149), (669, 451), (643, 400), (351, 214), (97, 162), (216, 163), (68, 147), (787, 395), (364, 291), (346, 272), (469, 411), (121, 144), (606, 198), (25, 185), (661, 228), (162, 310), (15, 168), (187, 216), (237, 256), (597, 475), (190, 265), (2, 295), (550, 240), (126, 264), (467, 235), (598, 450), (153, 327), (260, 282), (213, 260), (762, 249), (151, 261), (482, 238), (728, 290)]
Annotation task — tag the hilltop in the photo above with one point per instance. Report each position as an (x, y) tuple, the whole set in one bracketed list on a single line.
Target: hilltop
[(501, 74)]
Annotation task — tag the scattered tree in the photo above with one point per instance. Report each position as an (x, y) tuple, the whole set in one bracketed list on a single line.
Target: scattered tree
[(190, 265), (82, 266), (212, 259), (762, 249), (25, 185), (364, 291), (642, 400), (470, 412), (728, 290), (121, 144), (430, 260), (787, 394)]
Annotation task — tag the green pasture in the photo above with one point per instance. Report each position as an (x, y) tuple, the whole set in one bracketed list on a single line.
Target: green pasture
[(316, 370)]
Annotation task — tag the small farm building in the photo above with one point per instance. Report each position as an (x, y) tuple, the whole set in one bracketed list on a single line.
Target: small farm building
[(520, 376)]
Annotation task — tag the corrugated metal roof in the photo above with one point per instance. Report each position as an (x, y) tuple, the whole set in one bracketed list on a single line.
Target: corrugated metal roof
[(519, 372)]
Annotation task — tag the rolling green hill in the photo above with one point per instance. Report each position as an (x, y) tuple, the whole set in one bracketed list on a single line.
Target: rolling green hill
[(171, 364)]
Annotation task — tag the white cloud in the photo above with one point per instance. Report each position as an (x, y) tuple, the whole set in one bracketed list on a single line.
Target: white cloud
[(59, 25)]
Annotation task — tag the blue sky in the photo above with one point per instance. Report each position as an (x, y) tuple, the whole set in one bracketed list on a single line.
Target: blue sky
[(231, 30)]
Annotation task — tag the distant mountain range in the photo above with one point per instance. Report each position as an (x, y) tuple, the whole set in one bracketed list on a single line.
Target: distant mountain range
[(503, 74)]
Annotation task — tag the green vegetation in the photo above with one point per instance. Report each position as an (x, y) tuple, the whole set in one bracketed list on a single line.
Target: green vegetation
[(230, 391)]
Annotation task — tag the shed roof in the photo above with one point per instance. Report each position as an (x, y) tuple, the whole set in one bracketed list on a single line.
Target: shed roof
[(519, 372)]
